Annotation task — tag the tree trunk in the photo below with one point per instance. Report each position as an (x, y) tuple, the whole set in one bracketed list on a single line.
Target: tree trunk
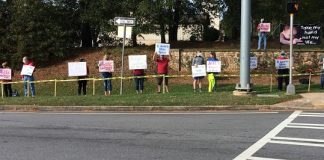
[(134, 39), (86, 36), (162, 32), (174, 25)]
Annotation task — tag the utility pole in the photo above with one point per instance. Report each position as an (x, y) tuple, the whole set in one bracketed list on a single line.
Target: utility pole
[(244, 86)]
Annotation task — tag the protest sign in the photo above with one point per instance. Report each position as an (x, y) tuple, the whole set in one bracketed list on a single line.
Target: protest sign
[(311, 34), (77, 69), (282, 63), (199, 71), (137, 62), (162, 48), (5, 74), (27, 70), (253, 62), (265, 27), (214, 66), (106, 66)]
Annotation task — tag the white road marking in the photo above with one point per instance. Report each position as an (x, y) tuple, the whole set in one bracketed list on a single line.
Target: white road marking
[(319, 116), (159, 113), (297, 143), (307, 124), (262, 158), (311, 113), (299, 139), (263, 141), (304, 127)]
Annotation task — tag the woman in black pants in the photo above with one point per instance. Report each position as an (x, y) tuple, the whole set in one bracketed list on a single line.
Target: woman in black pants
[(82, 84), (7, 87)]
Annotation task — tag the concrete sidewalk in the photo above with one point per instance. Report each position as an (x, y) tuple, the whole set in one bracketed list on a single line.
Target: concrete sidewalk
[(309, 101)]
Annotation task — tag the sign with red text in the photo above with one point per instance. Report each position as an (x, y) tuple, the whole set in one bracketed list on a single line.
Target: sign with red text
[(214, 66), (5, 74), (106, 66), (265, 27)]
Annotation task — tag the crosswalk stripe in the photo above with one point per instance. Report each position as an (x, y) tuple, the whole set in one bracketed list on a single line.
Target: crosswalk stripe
[(296, 143), (298, 139)]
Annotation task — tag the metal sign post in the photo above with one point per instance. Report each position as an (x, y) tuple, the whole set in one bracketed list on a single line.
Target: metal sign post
[(123, 21), (291, 87)]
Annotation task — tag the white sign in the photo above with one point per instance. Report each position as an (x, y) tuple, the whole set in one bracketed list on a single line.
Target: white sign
[(77, 69), (199, 71), (214, 66), (162, 48), (137, 62), (5, 74), (121, 32), (119, 21), (253, 62), (282, 63), (106, 66), (27, 70)]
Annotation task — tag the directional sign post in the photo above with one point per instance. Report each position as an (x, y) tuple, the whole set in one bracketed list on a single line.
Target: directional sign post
[(123, 21)]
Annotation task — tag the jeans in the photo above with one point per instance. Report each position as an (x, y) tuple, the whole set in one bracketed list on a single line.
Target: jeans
[(32, 85), (139, 83), (107, 83), (7, 90), (262, 37)]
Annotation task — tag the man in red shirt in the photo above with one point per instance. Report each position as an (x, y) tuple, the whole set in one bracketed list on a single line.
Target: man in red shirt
[(162, 62)]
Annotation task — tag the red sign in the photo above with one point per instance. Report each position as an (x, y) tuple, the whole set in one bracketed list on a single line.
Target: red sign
[(106, 66), (264, 27)]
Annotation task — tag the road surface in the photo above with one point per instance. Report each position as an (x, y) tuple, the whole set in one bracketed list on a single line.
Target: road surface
[(161, 136)]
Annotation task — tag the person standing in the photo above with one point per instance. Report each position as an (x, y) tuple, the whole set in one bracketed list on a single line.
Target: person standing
[(82, 83), (321, 58), (283, 73), (107, 78), (262, 36), (139, 80), (212, 75), (7, 87), (29, 78), (162, 62), (197, 60)]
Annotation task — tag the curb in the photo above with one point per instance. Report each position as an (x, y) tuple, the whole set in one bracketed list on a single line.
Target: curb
[(23, 108)]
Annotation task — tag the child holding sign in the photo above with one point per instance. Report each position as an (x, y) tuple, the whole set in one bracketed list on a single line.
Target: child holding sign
[(27, 75), (106, 75), (212, 75), (7, 87), (162, 69)]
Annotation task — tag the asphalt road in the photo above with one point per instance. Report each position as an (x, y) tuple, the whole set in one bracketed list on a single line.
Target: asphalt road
[(189, 136)]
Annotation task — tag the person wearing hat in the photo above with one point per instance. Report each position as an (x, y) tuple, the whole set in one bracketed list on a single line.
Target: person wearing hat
[(7, 87), (82, 84), (283, 73), (198, 60)]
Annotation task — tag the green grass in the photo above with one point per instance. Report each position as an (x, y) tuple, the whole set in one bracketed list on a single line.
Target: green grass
[(180, 95)]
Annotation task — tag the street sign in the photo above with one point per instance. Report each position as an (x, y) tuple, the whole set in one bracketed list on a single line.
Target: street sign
[(121, 21)]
